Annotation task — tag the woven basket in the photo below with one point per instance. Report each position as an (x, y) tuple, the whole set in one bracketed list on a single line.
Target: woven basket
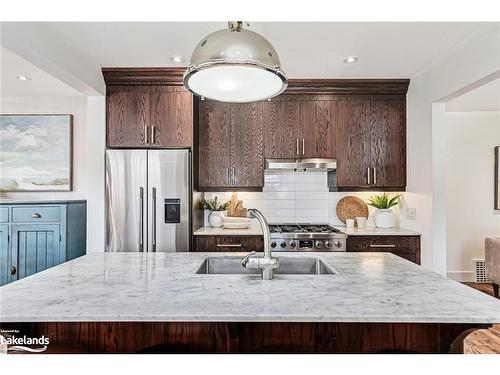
[(351, 207)]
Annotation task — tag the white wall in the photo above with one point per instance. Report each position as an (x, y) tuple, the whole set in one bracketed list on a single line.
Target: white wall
[(470, 138), (466, 63), (296, 198), (88, 154)]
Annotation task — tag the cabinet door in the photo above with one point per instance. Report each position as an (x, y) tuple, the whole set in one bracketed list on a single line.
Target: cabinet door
[(247, 145), (127, 117), (388, 143), (228, 243), (35, 247), (172, 118), (318, 136), (282, 129), (353, 143), (5, 261), (214, 145)]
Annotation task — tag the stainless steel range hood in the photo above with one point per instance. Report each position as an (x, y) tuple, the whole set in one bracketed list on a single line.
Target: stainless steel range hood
[(301, 165)]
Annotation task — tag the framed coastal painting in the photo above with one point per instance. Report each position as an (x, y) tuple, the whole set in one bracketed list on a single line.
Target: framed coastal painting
[(35, 153)]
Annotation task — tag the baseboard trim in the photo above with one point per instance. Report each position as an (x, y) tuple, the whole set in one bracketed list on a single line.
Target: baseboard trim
[(461, 276)]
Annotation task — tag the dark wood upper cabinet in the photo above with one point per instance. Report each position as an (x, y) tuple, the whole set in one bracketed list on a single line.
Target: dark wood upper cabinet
[(353, 145), (282, 128), (127, 115), (171, 120), (214, 150), (247, 145), (300, 127), (371, 145), (231, 147), (147, 107), (388, 143), (318, 128)]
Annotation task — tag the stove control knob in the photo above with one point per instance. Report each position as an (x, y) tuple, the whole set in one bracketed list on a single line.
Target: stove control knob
[(283, 244), (273, 244), (338, 244), (293, 244), (319, 244), (328, 244)]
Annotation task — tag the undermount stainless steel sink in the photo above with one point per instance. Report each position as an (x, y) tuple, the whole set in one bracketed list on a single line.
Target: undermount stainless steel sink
[(226, 265)]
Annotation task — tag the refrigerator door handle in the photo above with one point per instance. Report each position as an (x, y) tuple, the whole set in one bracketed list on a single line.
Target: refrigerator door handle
[(141, 236), (154, 221)]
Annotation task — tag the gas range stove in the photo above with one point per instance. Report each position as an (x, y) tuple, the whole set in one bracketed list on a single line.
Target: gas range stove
[(306, 237)]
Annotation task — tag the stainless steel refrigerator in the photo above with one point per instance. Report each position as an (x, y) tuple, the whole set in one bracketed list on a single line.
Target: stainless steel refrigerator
[(148, 200)]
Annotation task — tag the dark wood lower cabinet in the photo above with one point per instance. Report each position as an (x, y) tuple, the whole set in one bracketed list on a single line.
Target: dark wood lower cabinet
[(228, 243), (245, 337), (407, 247)]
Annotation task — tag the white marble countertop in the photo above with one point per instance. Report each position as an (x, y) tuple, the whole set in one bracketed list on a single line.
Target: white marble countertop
[(209, 231), (254, 230), (370, 287), (373, 231)]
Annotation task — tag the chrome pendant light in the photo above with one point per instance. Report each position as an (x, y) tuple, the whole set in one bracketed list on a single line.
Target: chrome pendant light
[(235, 65)]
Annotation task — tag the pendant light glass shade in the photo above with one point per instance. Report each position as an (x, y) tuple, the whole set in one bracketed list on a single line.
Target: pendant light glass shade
[(235, 65)]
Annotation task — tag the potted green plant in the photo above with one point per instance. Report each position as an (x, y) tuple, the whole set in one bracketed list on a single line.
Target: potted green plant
[(384, 216), (217, 211)]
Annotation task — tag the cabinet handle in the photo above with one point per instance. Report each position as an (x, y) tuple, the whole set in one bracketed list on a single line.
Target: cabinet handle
[(141, 240), (233, 171), (154, 220), (13, 270), (374, 176), (298, 153), (153, 135), (36, 215), (228, 176), (145, 134), (368, 176), (303, 146), (376, 245), (229, 245)]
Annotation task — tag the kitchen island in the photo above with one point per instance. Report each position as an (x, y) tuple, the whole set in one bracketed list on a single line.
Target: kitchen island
[(129, 302)]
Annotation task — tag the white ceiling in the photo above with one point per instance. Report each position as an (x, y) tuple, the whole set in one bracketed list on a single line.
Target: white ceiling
[(483, 98), (306, 49), (41, 83)]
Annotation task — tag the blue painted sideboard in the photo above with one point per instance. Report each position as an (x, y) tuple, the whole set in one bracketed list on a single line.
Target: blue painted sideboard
[(35, 236)]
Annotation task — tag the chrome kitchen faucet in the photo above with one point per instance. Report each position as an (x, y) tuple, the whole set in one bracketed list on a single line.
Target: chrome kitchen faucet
[(268, 263)]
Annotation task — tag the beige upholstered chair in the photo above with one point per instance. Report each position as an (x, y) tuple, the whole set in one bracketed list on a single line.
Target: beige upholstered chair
[(492, 249)]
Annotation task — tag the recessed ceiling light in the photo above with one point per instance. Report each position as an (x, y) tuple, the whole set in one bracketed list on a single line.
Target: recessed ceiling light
[(176, 59), (24, 78), (351, 59)]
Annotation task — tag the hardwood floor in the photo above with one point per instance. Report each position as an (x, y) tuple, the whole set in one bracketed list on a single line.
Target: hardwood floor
[(482, 287)]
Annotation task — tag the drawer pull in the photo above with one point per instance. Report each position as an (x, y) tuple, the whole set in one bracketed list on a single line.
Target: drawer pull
[(229, 245), (376, 245), (36, 215), (13, 270)]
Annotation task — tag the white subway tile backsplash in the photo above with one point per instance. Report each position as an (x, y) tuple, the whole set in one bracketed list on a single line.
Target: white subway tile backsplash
[(310, 186), (279, 186), (282, 177), (277, 195), (295, 197), (311, 203), (319, 177), (308, 195), (279, 203)]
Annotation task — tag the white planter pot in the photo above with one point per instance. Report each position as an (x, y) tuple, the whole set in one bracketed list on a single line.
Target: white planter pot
[(215, 218), (384, 218)]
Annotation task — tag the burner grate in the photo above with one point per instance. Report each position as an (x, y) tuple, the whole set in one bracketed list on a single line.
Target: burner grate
[(302, 228)]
